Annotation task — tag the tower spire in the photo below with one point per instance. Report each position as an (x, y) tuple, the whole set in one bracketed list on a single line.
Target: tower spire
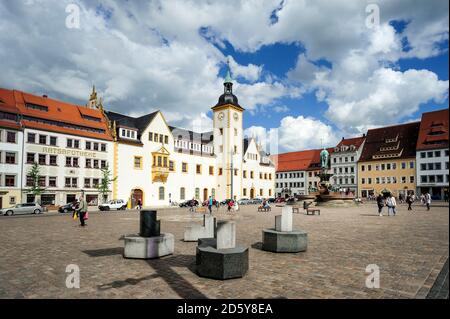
[(228, 82), (93, 99)]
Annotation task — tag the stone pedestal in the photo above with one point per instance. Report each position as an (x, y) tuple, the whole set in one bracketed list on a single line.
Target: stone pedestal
[(284, 242), (149, 247), (218, 257), (283, 238), (150, 243), (195, 231), (220, 264)]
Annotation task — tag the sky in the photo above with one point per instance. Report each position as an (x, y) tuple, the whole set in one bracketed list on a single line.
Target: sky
[(307, 72)]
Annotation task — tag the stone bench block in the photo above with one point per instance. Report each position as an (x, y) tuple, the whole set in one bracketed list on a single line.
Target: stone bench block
[(283, 222), (220, 264), (149, 247), (289, 242), (226, 234)]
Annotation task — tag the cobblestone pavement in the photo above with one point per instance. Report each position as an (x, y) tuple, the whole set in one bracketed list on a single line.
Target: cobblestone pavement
[(410, 250)]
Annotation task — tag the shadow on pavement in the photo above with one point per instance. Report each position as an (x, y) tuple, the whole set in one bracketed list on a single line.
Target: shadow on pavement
[(104, 252)]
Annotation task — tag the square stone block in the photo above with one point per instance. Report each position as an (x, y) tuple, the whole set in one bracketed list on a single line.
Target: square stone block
[(226, 234)]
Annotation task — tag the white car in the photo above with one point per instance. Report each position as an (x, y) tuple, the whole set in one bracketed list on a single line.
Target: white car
[(118, 204), (19, 209)]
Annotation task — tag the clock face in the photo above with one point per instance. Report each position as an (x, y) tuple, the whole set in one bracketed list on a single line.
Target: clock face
[(220, 116), (236, 116)]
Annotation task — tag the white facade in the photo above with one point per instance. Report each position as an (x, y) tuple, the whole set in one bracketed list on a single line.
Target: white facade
[(344, 167), (68, 165), (433, 172), (291, 183), (11, 141), (180, 165)]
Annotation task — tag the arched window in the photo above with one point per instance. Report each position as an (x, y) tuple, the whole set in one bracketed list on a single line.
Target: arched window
[(182, 193), (197, 193), (161, 193), (213, 193)]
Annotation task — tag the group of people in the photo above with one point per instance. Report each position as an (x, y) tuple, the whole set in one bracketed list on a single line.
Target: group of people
[(391, 202)]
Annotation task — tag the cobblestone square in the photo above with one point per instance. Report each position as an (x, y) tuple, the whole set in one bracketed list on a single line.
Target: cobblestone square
[(410, 250)]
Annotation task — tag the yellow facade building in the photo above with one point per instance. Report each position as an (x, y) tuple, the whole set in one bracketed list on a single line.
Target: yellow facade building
[(388, 161)]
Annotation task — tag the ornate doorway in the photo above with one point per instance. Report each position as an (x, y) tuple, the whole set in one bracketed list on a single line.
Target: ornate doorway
[(252, 193), (137, 195), (205, 194)]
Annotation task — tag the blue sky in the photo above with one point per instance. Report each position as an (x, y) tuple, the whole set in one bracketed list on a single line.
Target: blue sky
[(308, 71)]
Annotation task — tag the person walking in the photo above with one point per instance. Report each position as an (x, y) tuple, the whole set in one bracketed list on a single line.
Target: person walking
[(82, 210), (139, 204), (428, 200), (210, 204), (380, 203), (391, 204), (409, 200)]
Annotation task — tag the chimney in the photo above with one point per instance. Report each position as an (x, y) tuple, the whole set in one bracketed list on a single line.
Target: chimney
[(44, 96)]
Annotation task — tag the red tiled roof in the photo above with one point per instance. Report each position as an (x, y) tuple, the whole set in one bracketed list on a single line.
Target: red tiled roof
[(298, 161), (7, 101), (58, 111), (10, 124), (356, 141), (433, 130)]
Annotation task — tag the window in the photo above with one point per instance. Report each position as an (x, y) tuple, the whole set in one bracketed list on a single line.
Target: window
[(403, 165), (171, 166), (43, 139), (429, 154), (12, 200), (235, 149), (75, 162), (197, 193), (184, 167), (53, 140), (220, 171), (87, 183), (423, 178), (423, 154), (88, 145), (95, 182), (411, 179), (411, 164), (182, 193), (431, 178), (103, 147), (221, 131), (440, 178), (30, 158), (42, 159), (388, 166), (10, 137), (244, 192), (31, 138), (251, 174), (211, 170), (161, 193), (10, 158), (437, 166), (88, 163), (235, 172), (363, 181), (37, 107), (96, 163), (221, 149), (52, 181), (30, 181), (10, 180), (235, 132), (261, 192), (363, 168), (95, 146), (150, 136), (166, 139), (437, 153), (161, 138), (403, 179), (69, 143), (138, 162), (198, 169)]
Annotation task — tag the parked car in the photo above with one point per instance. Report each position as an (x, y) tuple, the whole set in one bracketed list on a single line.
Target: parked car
[(20, 209), (271, 200), (257, 201), (244, 201), (188, 203), (68, 208), (280, 200), (118, 204)]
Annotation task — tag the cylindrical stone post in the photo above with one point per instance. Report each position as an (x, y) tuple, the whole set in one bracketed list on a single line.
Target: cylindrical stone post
[(149, 226)]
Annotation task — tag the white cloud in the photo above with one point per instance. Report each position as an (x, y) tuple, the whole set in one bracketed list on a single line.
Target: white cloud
[(250, 72), (281, 109), (293, 134)]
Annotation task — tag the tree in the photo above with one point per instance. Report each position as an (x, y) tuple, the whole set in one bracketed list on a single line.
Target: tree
[(106, 181), (35, 176)]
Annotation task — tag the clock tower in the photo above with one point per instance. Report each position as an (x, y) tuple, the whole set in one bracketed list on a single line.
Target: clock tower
[(228, 138)]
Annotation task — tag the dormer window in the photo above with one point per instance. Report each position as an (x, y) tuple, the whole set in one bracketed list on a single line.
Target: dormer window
[(392, 140), (127, 133)]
